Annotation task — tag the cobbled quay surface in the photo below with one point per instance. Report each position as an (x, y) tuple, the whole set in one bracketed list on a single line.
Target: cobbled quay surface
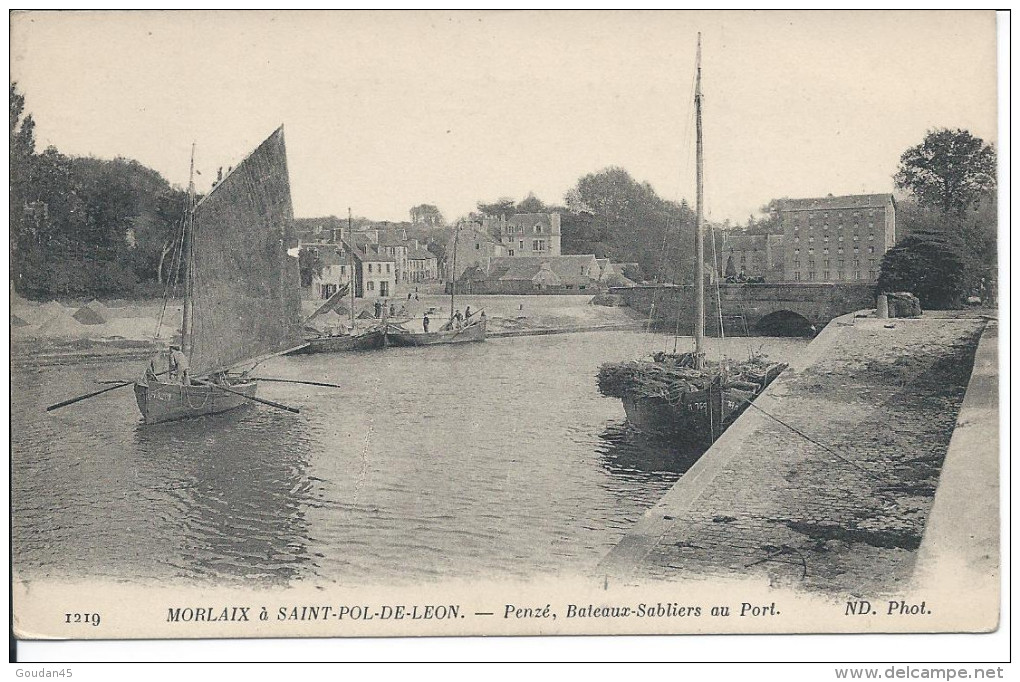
[(826, 482)]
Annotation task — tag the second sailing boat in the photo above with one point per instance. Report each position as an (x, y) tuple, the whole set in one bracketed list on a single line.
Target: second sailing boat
[(681, 395)]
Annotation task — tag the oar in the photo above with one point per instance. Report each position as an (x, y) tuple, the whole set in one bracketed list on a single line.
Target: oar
[(72, 401), (294, 381), (278, 406)]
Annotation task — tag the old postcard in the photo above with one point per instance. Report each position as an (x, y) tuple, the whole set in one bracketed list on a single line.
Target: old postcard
[(503, 323)]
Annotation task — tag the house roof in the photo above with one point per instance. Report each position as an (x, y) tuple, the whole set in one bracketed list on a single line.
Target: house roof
[(473, 233), (420, 254), (330, 256), (369, 252), (831, 202), (570, 269), (530, 218), (306, 227)]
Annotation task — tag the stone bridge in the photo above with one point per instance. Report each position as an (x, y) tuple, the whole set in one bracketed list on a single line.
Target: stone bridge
[(786, 309)]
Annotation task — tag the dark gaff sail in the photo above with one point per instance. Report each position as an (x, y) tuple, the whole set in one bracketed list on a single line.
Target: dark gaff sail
[(245, 285)]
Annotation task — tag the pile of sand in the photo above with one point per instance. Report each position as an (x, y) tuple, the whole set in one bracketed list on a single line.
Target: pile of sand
[(37, 314), (61, 324), (93, 313)]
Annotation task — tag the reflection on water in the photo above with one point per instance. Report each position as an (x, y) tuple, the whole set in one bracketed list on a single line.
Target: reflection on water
[(630, 453), (238, 489), (498, 459)]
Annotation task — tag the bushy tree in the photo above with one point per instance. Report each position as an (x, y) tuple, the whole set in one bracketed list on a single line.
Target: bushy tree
[(927, 265), (625, 220), (81, 225), (532, 204), (428, 215), (950, 170), (309, 264), (504, 206)]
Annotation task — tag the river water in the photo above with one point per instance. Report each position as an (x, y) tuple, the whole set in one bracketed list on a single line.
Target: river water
[(497, 460)]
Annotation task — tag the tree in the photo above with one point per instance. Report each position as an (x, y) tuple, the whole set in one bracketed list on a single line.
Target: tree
[(949, 170), (926, 265), (971, 234), (531, 204), (22, 151), (504, 206), (309, 265), (630, 222), (426, 214)]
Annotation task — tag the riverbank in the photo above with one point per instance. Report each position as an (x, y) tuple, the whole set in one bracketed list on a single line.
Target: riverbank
[(828, 481), (959, 557), (64, 333)]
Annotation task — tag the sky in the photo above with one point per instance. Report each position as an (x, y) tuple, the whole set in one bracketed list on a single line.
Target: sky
[(386, 110)]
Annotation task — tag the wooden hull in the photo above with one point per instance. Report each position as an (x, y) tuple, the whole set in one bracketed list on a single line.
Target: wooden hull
[(475, 332), (164, 402), (370, 340), (699, 418)]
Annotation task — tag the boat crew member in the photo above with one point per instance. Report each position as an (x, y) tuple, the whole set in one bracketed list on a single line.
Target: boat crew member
[(150, 369), (179, 365), (425, 323), (457, 318), (467, 312)]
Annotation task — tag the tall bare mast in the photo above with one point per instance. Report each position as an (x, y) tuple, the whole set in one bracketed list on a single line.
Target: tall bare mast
[(350, 263), (699, 241), (453, 277), (186, 249)]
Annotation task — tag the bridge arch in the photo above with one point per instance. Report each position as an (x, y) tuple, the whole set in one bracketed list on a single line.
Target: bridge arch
[(785, 323)]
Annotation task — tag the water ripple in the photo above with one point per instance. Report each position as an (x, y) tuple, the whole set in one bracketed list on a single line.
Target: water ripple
[(498, 459)]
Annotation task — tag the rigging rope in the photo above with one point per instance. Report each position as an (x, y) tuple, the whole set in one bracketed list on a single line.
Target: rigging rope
[(171, 282)]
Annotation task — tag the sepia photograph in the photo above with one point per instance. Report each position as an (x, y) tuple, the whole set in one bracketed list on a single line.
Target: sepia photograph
[(420, 323)]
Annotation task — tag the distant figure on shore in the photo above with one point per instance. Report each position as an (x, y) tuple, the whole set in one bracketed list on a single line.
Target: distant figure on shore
[(378, 309), (408, 295), (425, 323), (393, 310), (416, 295)]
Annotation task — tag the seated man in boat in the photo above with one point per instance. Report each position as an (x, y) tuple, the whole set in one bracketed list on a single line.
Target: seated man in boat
[(179, 366), (150, 368)]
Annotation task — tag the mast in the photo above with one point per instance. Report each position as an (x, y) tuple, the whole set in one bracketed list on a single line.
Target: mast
[(186, 249), (699, 241), (453, 273), (350, 263)]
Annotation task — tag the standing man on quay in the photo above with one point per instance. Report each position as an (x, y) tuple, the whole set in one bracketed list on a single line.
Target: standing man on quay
[(425, 323)]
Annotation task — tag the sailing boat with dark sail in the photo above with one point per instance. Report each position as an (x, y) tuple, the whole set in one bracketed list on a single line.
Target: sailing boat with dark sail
[(241, 292), (681, 395)]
